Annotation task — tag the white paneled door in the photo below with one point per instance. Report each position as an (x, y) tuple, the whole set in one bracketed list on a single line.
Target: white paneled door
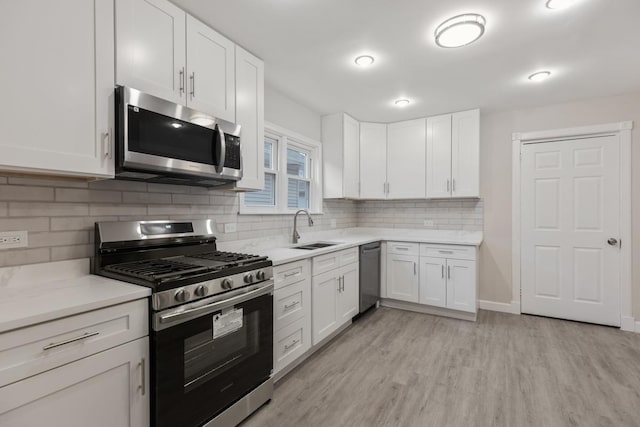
[(570, 250)]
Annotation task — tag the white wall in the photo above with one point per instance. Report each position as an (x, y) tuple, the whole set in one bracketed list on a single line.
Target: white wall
[(496, 135), (283, 111)]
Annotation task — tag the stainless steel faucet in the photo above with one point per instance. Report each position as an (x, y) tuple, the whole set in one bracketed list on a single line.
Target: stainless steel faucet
[(296, 235)]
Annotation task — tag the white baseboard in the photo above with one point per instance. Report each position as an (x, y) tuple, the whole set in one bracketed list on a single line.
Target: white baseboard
[(502, 307), (426, 309), (629, 324)]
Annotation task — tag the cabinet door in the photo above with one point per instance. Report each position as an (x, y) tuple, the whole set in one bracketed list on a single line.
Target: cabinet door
[(461, 285), (465, 145), (439, 156), (351, 168), (406, 160), (210, 71), (348, 304), (373, 161), (109, 389), (150, 49), (57, 80), (250, 116), (324, 300), (433, 281), (402, 277)]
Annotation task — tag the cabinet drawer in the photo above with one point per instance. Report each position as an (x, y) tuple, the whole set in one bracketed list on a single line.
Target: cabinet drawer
[(291, 273), (290, 343), (333, 260), (402, 248), (291, 303), (29, 351), (448, 251)]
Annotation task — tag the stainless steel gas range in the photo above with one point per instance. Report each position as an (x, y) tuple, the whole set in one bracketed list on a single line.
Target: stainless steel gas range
[(211, 318)]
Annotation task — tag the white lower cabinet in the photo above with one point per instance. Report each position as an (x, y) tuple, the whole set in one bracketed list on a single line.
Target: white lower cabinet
[(334, 293), (433, 281), (402, 277), (291, 313), (461, 285)]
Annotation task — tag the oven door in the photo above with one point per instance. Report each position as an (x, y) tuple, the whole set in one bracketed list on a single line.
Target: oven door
[(209, 354)]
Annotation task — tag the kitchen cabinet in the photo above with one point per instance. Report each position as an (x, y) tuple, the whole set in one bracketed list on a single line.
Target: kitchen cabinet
[(335, 284), (56, 87), (341, 156), (250, 116), (292, 314), (373, 161), (402, 277), (453, 155), (446, 281), (163, 51), (406, 160), (87, 369)]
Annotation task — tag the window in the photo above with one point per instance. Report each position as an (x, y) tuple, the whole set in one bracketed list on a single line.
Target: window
[(291, 174)]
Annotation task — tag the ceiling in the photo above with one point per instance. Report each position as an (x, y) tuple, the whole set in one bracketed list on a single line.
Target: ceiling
[(309, 46)]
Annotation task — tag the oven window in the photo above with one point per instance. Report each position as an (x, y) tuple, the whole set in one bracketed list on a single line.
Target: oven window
[(159, 135), (206, 357)]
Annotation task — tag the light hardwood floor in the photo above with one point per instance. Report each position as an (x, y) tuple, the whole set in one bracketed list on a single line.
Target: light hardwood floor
[(397, 368)]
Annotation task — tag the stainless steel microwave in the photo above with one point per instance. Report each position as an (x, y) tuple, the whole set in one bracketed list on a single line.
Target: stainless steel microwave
[(160, 141)]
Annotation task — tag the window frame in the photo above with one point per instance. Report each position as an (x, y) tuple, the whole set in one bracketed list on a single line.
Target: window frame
[(285, 139)]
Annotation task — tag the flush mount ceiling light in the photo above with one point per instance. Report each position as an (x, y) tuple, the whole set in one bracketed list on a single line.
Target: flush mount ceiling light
[(540, 76), (460, 30), (559, 4), (364, 60), (402, 102)]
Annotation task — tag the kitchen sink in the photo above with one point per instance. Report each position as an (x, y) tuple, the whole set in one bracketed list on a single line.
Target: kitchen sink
[(316, 245)]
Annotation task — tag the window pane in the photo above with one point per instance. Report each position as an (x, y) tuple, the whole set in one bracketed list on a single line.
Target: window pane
[(298, 194), (266, 197), (297, 163), (268, 155)]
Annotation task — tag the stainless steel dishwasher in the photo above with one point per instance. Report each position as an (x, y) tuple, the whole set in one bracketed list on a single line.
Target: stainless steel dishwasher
[(369, 275)]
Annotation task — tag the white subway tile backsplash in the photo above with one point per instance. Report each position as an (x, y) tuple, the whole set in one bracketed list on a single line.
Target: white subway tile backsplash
[(85, 195), (119, 209), (60, 253), (28, 209), (61, 238), (29, 224), (144, 198), (14, 192), (24, 256)]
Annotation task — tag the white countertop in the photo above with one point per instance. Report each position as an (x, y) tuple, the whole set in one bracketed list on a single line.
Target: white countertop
[(281, 252), (38, 293)]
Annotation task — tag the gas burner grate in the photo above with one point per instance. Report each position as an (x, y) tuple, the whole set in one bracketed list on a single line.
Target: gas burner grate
[(156, 269), (229, 257)]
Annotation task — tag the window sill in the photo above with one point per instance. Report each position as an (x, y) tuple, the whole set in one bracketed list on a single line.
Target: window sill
[(254, 212)]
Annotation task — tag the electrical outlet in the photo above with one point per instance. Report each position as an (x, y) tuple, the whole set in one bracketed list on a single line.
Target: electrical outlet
[(333, 223), (14, 239), (230, 227), (428, 223)]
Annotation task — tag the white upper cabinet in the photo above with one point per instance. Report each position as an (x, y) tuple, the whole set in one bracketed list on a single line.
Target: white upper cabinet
[(465, 154), (250, 116), (57, 79), (341, 154), (210, 71), (453, 155), (373, 161), (151, 48), (406, 160), (163, 51), (439, 156)]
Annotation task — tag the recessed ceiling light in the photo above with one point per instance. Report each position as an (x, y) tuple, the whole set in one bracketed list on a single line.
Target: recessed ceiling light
[(540, 76), (559, 4), (402, 102), (460, 30), (364, 60)]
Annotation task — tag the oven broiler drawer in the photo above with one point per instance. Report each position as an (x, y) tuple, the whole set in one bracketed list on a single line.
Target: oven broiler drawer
[(35, 349)]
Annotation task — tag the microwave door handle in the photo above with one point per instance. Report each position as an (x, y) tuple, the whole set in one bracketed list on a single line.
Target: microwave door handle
[(223, 150)]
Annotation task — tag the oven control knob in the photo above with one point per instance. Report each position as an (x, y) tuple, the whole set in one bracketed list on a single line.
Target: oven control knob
[(248, 278), (260, 275), (181, 295), (201, 291), (227, 284)]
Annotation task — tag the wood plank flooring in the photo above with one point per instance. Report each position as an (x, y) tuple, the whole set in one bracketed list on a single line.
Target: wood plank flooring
[(397, 368)]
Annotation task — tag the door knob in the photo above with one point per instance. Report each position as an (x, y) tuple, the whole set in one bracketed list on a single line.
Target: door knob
[(613, 242)]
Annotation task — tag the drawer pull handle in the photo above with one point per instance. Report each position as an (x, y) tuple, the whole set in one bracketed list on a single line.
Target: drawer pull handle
[(295, 273), (290, 306), (287, 347), (402, 248), (446, 252), (70, 340)]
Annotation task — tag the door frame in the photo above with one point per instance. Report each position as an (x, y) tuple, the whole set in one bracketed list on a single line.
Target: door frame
[(623, 131)]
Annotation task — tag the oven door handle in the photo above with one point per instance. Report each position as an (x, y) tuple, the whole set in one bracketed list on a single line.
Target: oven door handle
[(182, 315)]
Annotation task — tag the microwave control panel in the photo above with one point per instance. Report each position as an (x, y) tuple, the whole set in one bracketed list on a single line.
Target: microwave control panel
[(232, 159)]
